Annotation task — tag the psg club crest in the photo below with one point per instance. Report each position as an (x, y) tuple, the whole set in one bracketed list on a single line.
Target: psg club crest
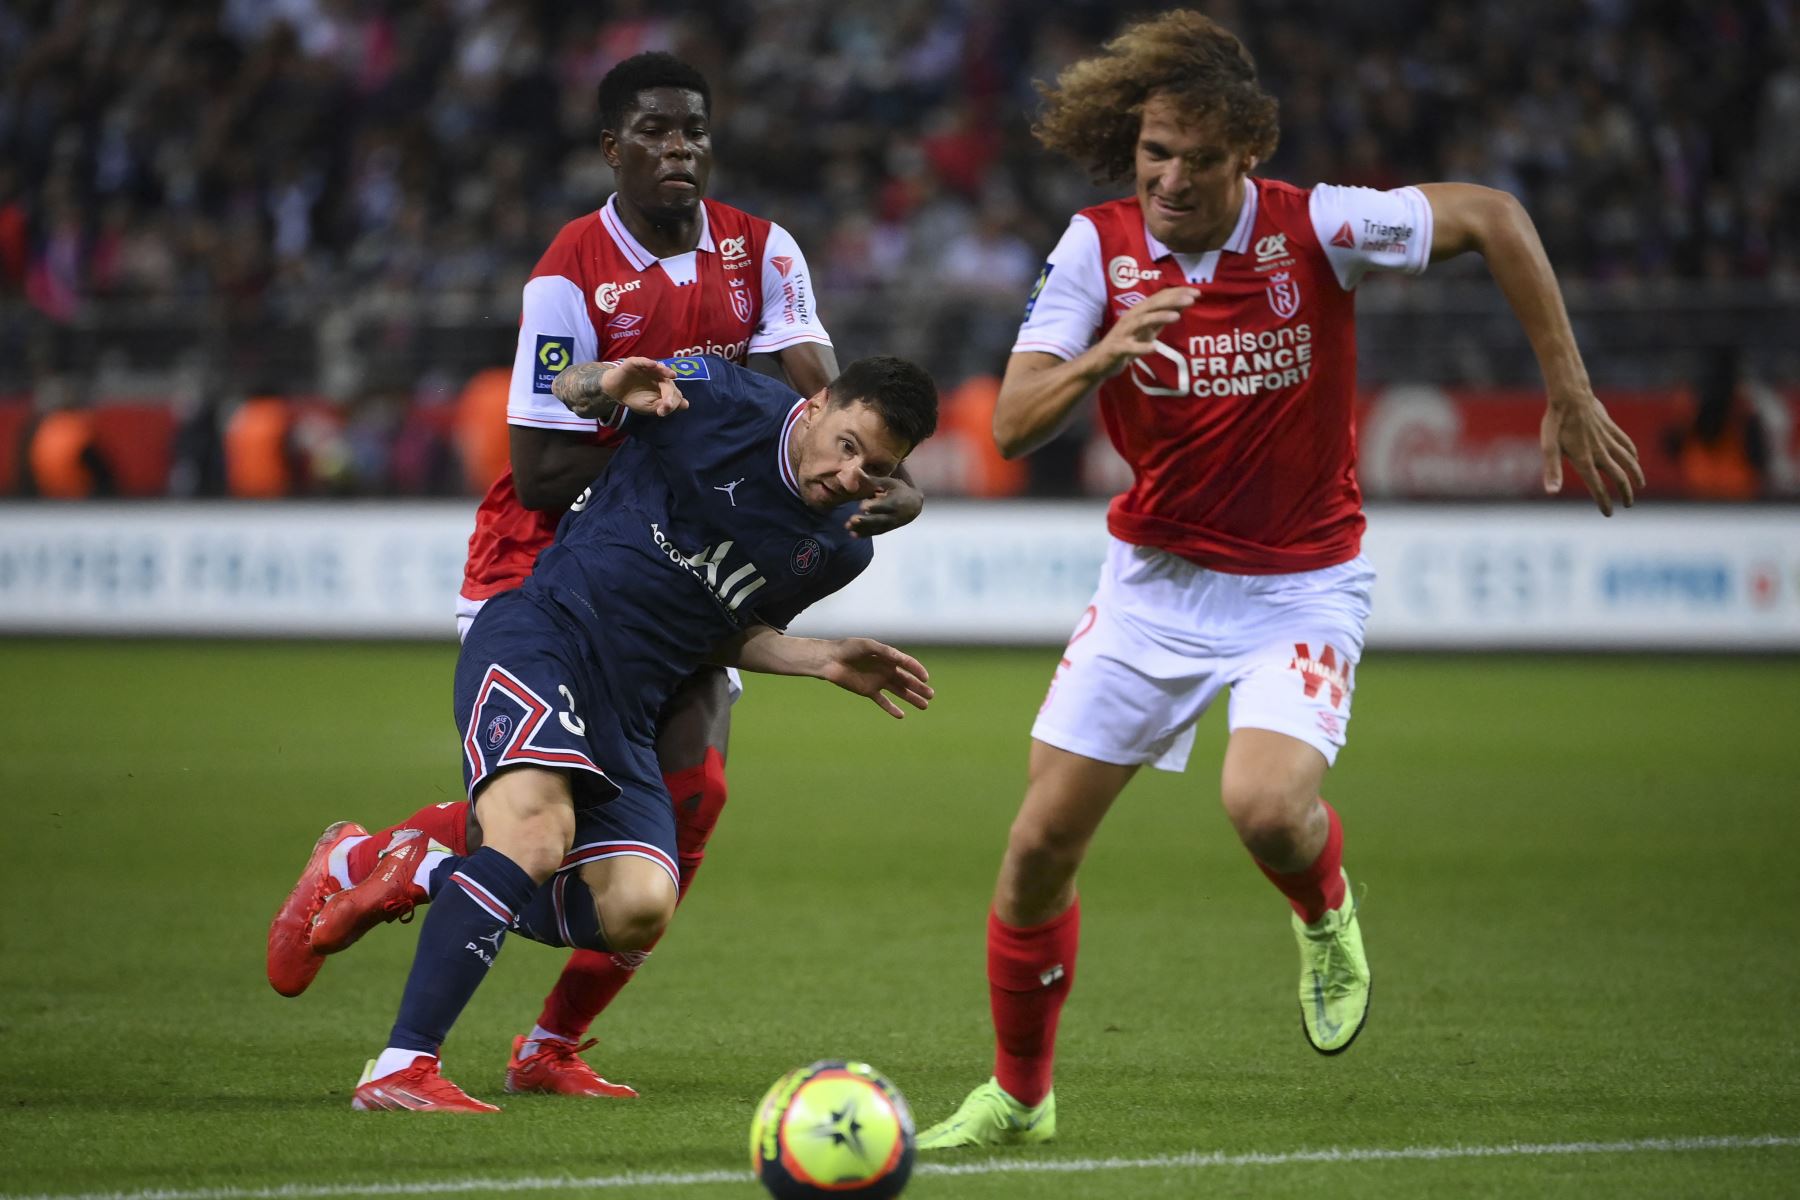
[(807, 556), (497, 731), (1284, 294), (740, 303)]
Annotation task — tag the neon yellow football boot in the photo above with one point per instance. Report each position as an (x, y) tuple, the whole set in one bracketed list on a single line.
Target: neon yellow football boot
[(1334, 977), (990, 1117)]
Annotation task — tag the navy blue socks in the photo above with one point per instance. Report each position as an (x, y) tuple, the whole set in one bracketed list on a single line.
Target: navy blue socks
[(470, 914)]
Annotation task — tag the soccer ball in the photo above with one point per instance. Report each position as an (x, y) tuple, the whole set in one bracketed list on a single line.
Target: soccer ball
[(835, 1128)]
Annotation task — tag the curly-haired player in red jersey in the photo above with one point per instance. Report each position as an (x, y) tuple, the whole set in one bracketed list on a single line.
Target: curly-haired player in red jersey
[(657, 271), (1214, 312)]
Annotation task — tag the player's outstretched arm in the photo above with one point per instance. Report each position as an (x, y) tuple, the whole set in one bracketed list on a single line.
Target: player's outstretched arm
[(1576, 425), (861, 665), (1039, 390), (597, 390)]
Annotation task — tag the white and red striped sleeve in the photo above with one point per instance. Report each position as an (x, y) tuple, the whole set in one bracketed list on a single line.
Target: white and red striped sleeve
[(1063, 313), (790, 313), (555, 331)]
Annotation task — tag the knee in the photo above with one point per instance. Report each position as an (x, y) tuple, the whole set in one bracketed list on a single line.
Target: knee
[(1269, 813), (638, 923), (634, 911), (530, 818), (542, 847), (1040, 844)]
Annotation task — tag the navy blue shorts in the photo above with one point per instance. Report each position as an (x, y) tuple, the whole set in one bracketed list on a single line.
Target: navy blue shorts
[(526, 695)]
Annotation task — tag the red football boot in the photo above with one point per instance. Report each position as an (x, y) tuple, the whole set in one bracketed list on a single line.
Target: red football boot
[(292, 961), (418, 1088), (388, 894), (556, 1067)]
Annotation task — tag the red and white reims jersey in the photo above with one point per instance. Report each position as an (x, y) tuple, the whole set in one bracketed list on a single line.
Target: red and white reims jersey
[(597, 294), (1240, 428)]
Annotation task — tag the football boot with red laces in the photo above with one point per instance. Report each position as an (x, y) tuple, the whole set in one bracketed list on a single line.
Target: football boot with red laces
[(556, 1067), (388, 894), (418, 1088), (292, 961)]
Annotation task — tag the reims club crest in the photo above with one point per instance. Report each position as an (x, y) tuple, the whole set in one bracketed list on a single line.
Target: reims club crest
[(1284, 294)]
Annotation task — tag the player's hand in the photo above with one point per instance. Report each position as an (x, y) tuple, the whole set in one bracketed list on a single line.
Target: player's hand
[(1134, 334), (645, 386), (889, 502), (869, 668), (1580, 428)]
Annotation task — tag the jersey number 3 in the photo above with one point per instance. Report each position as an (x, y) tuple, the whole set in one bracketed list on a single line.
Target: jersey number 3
[(570, 721)]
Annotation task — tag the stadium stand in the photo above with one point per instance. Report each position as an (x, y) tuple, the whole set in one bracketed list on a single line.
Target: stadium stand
[(303, 198)]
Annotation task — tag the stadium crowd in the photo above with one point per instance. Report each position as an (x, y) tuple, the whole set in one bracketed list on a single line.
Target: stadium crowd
[(352, 191)]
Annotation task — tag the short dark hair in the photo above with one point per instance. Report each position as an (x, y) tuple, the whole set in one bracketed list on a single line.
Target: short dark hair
[(901, 393), (620, 88)]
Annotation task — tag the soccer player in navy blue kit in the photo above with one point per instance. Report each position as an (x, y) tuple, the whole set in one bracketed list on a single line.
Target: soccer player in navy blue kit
[(723, 517)]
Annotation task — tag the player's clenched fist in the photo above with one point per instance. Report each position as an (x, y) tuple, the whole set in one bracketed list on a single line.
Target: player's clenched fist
[(1135, 333)]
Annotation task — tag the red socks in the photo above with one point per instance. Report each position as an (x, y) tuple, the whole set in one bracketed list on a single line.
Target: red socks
[(699, 796), (1030, 971), (445, 823), (591, 979), (1320, 887), (588, 983)]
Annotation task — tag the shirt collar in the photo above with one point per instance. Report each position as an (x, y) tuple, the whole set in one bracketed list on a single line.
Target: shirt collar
[(782, 458), (633, 249), (1237, 243)]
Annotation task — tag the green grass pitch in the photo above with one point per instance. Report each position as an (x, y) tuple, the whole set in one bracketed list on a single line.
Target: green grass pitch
[(1582, 908)]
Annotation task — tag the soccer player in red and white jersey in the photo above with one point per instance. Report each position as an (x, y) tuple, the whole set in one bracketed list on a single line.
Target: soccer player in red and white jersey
[(657, 271), (1214, 312)]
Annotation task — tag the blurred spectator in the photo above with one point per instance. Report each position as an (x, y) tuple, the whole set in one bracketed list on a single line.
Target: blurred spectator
[(259, 459), (1724, 454), (64, 461), (481, 429)]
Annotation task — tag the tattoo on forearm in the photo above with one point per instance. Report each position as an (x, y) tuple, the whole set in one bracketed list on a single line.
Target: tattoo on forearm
[(578, 387)]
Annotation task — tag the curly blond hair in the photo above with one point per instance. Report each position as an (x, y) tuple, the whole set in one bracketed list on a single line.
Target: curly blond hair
[(1094, 110)]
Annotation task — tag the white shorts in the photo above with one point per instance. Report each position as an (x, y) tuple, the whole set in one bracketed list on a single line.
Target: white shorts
[(1163, 637), (465, 617)]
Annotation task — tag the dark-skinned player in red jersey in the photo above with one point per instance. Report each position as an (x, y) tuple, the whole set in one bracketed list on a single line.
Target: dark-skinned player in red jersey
[(1213, 311), (657, 271)]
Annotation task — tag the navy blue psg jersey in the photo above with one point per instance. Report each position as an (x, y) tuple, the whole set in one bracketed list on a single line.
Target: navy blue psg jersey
[(694, 532)]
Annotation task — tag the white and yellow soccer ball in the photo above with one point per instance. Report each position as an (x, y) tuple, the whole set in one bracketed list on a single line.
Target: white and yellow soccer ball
[(835, 1128)]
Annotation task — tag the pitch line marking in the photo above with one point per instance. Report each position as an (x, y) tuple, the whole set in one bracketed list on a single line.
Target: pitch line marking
[(1192, 1159)]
